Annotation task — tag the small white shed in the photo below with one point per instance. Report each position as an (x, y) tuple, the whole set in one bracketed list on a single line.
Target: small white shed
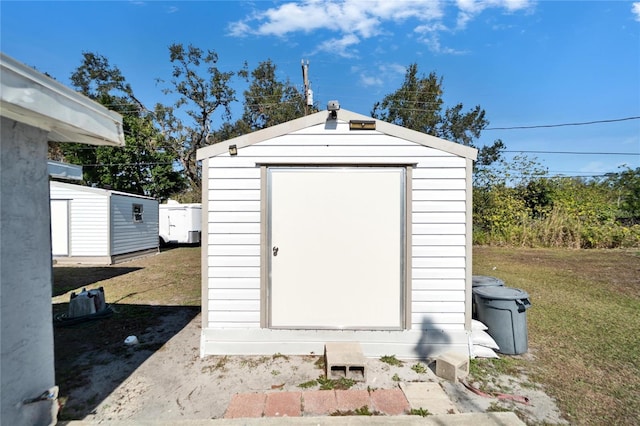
[(336, 228), (99, 226)]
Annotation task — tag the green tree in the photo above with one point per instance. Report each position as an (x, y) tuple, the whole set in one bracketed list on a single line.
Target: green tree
[(503, 200), (200, 90), (418, 105), (141, 166), (625, 186), (268, 101)]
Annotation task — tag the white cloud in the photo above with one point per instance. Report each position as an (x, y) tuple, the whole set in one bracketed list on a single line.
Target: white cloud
[(469, 9), (635, 9), (392, 69), (345, 16), (351, 21), (341, 46), (239, 29), (379, 74), (430, 35), (369, 81)]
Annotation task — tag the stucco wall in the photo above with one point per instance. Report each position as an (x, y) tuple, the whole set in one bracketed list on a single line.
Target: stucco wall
[(26, 350)]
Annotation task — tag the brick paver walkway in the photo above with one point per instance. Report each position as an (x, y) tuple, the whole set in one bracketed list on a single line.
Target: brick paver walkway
[(316, 403)]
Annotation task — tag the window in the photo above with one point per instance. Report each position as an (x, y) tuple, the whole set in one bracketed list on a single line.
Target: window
[(137, 212)]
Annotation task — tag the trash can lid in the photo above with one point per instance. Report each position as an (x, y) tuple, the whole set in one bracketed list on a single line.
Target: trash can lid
[(483, 280), (501, 293)]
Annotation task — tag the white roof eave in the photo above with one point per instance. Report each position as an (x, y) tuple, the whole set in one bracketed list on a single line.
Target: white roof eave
[(30, 97), (343, 116)]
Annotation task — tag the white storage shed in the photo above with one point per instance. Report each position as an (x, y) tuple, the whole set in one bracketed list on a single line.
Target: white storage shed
[(336, 227), (99, 226)]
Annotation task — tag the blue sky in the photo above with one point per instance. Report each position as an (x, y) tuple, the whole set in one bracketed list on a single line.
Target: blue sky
[(527, 63)]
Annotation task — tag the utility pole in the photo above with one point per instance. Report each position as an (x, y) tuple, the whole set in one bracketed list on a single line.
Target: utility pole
[(308, 93)]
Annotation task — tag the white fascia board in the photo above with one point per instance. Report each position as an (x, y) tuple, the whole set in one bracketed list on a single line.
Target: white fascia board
[(427, 140), (262, 135), (30, 97), (343, 116)]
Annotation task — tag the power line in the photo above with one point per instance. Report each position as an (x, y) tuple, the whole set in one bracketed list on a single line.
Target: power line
[(577, 152), (125, 164), (583, 123)]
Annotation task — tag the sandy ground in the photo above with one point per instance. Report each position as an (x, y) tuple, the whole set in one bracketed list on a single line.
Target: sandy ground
[(158, 380)]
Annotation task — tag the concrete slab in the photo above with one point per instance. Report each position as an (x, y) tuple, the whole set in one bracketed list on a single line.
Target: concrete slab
[(345, 359), (320, 402), (475, 419), (283, 404), (429, 396), (389, 401), (245, 405)]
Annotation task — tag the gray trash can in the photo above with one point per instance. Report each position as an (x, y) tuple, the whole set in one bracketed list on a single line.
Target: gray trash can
[(480, 281), (504, 311), (484, 280)]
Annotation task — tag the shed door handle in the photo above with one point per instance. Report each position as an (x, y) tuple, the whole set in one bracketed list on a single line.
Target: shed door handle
[(275, 250)]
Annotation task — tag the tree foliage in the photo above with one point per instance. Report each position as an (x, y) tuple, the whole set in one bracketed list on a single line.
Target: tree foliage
[(418, 105), (200, 90), (625, 186), (141, 166), (516, 203), (268, 101)]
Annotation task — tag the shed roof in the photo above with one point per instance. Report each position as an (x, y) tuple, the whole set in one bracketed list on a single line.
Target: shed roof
[(97, 191), (30, 97), (344, 116)]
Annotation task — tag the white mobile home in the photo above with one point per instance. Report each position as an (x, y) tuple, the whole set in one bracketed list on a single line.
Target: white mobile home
[(180, 223), (93, 225), (336, 228)]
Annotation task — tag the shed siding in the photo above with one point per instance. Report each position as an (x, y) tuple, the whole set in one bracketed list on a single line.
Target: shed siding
[(101, 222), (128, 236), (437, 221), (89, 220)]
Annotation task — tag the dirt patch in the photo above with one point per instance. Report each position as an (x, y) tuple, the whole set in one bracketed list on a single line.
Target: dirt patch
[(164, 376)]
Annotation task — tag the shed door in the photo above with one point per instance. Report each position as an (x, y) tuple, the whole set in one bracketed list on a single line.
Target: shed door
[(336, 247), (60, 227)]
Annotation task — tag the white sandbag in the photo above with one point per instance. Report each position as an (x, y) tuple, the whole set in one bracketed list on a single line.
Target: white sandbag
[(479, 351), (481, 337), (478, 325)]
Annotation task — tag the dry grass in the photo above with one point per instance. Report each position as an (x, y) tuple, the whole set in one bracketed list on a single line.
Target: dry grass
[(583, 326), (170, 278)]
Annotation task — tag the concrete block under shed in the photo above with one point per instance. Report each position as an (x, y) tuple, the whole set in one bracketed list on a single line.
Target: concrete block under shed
[(345, 359), (452, 366)]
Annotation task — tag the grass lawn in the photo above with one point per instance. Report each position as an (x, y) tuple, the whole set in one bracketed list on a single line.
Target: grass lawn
[(584, 325)]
